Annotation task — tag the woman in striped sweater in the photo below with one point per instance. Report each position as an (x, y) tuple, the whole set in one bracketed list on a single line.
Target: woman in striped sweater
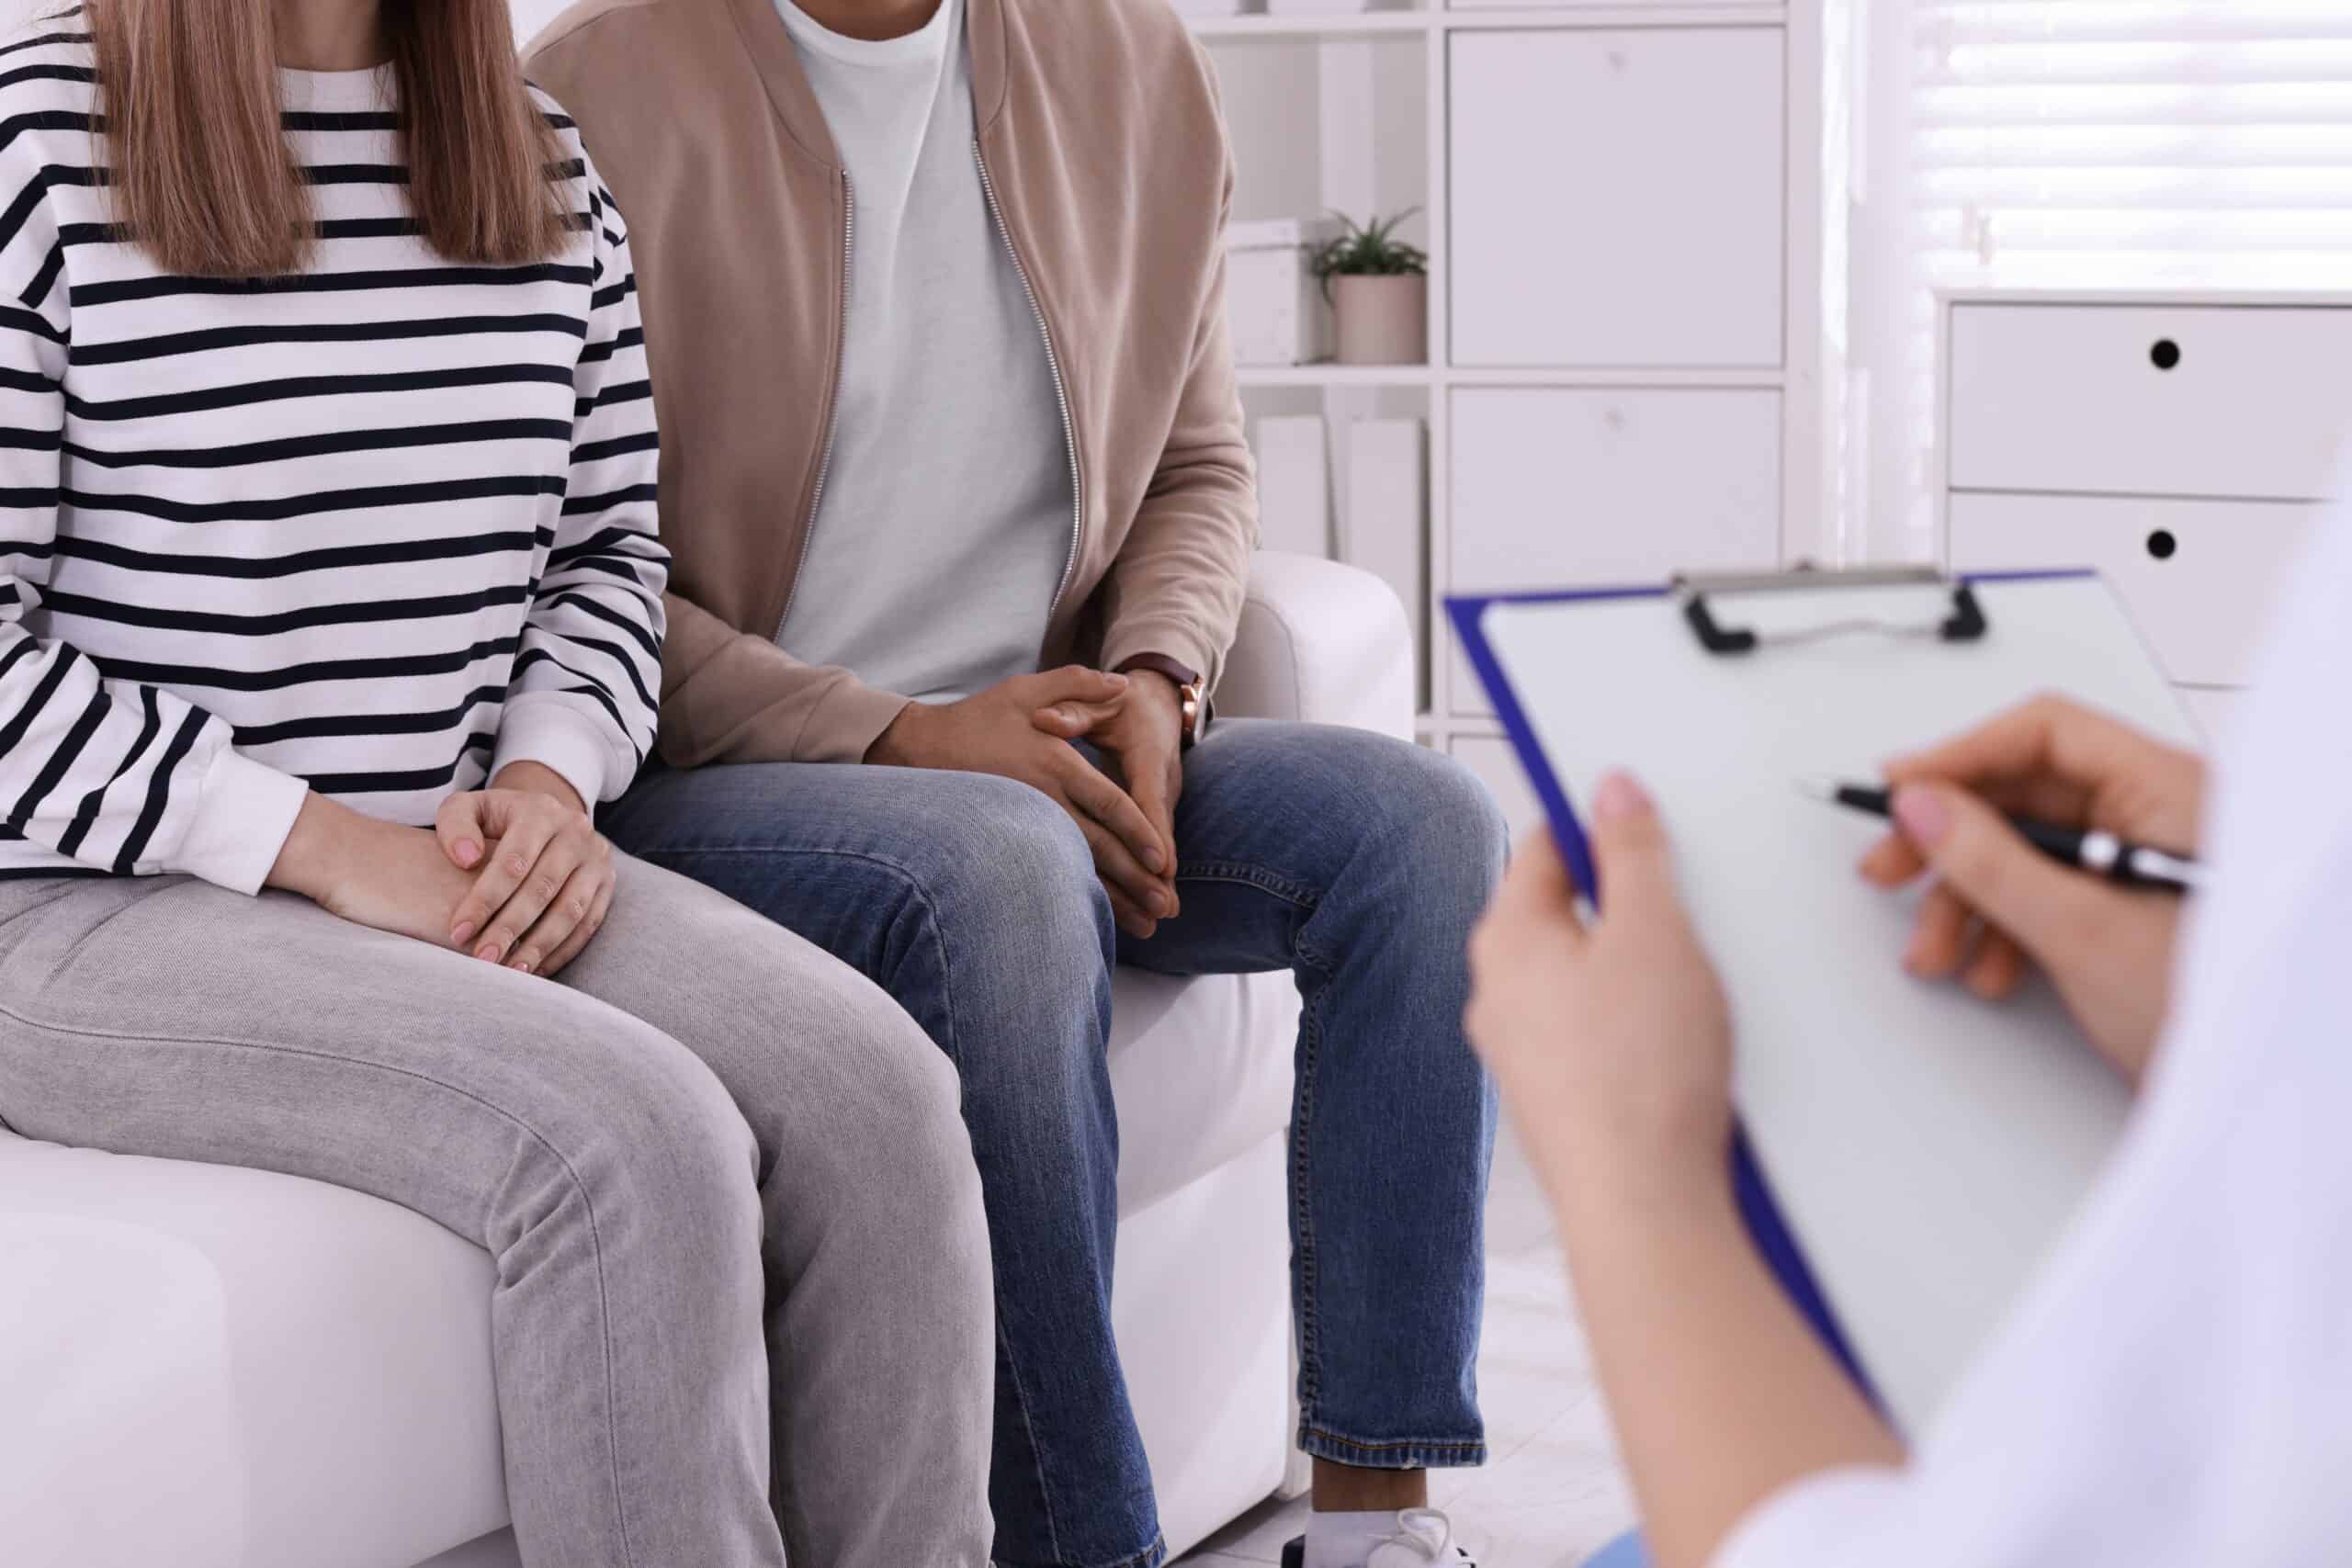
[(330, 606)]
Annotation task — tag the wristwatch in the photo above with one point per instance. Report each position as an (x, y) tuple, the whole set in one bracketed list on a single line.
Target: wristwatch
[(1192, 696)]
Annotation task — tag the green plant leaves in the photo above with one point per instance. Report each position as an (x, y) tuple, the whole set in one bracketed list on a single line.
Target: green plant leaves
[(1369, 249)]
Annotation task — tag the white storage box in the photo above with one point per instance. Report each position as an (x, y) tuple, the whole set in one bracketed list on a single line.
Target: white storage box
[(1272, 300)]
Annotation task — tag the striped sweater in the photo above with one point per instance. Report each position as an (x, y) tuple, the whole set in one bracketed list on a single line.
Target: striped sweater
[(376, 531)]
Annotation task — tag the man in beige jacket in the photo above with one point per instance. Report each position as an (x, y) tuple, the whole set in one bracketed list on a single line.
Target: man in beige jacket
[(933, 291)]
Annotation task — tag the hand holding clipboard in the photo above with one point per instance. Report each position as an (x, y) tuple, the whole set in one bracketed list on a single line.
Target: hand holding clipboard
[(1914, 1148)]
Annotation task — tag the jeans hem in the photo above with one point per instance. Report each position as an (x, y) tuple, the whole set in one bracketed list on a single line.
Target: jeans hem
[(1410, 1453), (1152, 1556)]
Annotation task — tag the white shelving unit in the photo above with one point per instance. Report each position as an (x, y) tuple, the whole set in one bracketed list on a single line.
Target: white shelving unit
[(1643, 322)]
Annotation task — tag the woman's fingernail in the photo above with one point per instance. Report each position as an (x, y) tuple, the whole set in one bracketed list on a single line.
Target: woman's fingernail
[(1153, 859), (1922, 815), (467, 853), (1621, 798), (488, 952), (461, 936), (1117, 680)]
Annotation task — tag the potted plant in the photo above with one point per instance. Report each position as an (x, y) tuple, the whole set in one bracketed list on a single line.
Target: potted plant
[(1378, 286)]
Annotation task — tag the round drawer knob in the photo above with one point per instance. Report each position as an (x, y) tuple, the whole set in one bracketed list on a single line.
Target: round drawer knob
[(2165, 354), (2161, 544)]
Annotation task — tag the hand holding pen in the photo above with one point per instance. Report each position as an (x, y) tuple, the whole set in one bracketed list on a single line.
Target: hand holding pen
[(2000, 903), (2093, 850)]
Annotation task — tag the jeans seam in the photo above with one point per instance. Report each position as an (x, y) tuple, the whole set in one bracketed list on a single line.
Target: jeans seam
[(1310, 1041), (1310, 1350), (587, 1204), (1029, 1435), (1265, 881)]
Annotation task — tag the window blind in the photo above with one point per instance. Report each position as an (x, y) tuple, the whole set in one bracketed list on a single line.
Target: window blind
[(2114, 141), (2104, 144)]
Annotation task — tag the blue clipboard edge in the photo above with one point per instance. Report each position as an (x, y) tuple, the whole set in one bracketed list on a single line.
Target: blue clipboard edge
[(1767, 1231)]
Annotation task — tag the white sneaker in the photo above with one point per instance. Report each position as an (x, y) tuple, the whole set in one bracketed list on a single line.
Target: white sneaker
[(1423, 1536)]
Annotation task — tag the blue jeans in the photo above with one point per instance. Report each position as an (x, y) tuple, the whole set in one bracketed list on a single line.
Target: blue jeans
[(1355, 862)]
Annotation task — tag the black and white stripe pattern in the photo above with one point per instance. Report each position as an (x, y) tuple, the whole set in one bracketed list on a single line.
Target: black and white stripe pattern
[(377, 529)]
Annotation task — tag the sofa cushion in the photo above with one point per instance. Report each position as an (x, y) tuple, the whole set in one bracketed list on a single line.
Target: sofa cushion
[(209, 1366), (1201, 1071), (298, 1372)]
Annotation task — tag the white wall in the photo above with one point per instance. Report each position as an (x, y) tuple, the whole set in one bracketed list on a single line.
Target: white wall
[(530, 15)]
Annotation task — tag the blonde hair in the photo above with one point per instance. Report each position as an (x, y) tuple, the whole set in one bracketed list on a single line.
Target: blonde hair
[(203, 177)]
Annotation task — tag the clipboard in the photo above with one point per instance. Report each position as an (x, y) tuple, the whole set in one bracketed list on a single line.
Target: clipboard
[(1906, 1154)]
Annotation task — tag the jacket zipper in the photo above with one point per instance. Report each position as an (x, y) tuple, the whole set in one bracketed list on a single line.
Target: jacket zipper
[(1054, 365), (832, 410)]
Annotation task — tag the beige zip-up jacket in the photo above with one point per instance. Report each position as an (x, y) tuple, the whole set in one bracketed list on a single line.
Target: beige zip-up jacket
[(1103, 152)]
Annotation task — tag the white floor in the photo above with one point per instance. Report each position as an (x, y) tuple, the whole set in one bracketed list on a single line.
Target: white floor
[(1552, 1492)]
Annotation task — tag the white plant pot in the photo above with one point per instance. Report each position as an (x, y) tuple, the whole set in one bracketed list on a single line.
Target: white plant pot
[(1382, 320)]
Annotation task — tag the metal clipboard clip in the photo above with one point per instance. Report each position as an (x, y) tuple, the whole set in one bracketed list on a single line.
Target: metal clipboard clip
[(1966, 623)]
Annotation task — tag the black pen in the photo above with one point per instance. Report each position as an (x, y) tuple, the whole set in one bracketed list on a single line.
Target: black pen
[(2100, 853)]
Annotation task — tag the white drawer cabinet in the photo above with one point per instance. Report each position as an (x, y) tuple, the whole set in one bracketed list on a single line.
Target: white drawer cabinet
[(2149, 399), (1555, 486), (2199, 577), (1593, 485), (2180, 444), (1617, 197)]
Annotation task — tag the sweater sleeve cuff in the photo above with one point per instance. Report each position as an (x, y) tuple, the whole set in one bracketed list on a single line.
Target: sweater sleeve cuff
[(848, 722), (555, 737), (1128, 643), (244, 812)]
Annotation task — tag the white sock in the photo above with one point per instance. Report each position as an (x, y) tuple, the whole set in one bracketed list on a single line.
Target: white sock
[(1345, 1540)]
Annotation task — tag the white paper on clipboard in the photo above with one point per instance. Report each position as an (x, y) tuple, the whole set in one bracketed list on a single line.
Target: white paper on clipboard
[(1925, 1148)]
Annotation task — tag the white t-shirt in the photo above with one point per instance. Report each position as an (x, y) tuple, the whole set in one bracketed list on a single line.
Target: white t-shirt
[(946, 517), (2176, 1391)]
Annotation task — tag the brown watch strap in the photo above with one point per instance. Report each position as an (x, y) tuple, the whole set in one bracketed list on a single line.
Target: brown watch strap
[(1164, 665)]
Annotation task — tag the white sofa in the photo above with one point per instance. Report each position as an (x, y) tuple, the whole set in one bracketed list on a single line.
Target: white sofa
[(215, 1368)]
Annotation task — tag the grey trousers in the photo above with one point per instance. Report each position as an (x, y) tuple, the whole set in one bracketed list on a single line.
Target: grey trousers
[(737, 1229)]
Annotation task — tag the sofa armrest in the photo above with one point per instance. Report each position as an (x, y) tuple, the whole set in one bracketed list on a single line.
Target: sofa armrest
[(1322, 643)]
